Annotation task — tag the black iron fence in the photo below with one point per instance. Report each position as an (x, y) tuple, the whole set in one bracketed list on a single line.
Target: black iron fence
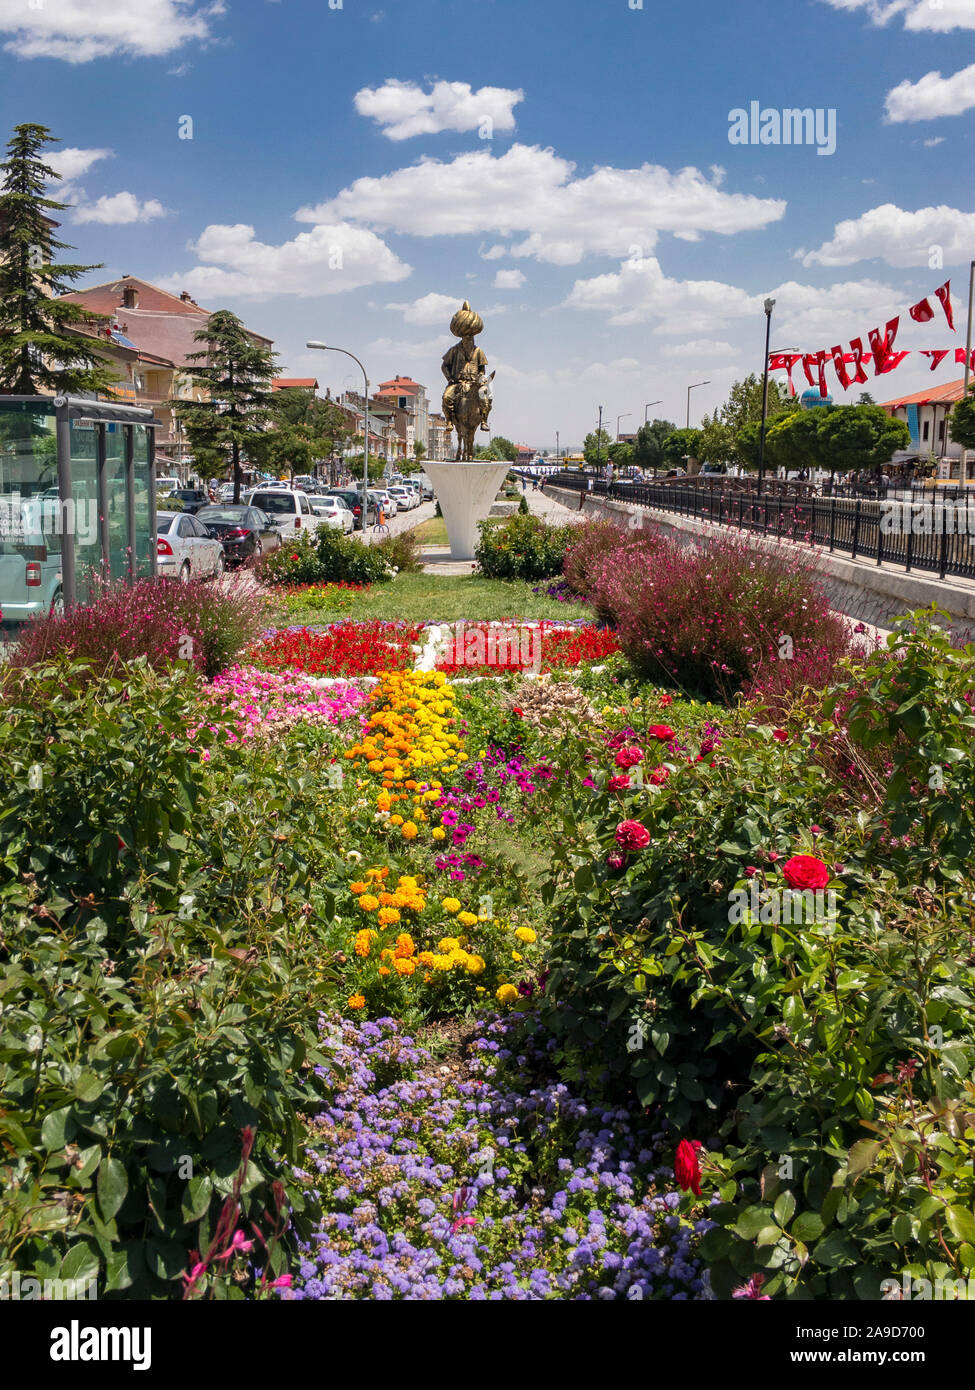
[(937, 535)]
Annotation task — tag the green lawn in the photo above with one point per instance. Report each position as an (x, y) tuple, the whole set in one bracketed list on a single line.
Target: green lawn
[(432, 532), (439, 598)]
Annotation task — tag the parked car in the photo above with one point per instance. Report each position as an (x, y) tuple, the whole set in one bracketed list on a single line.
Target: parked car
[(190, 499), (353, 498), (336, 512), (165, 486), (244, 532), (426, 488), (289, 511), (185, 549), (406, 495), (384, 499)]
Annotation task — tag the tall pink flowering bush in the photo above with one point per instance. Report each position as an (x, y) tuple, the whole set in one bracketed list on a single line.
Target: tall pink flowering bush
[(162, 620)]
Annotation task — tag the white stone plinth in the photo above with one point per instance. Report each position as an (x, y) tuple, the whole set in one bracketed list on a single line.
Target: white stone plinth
[(466, 493)]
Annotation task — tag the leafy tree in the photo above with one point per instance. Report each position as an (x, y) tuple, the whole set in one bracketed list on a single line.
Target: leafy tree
[(681, 445), (595, 447), (377, 467), (859, 436), (419, 450), (865, 398), (962, 421), (39, 353), (237, 377), (503, 448), (621, 455), (648, 445), (717, 440), (791, 441), (744, 403), (304, 429)]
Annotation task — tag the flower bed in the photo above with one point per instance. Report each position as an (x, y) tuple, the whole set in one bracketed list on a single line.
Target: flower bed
[(480, 1188), (344, 649), (544, 646), (258, 702)]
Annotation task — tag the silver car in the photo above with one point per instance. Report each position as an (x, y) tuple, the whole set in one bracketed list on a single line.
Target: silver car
[(385, 499), (185, 549)]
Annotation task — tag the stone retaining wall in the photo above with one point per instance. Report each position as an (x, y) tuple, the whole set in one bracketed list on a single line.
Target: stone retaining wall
[(862, 589)]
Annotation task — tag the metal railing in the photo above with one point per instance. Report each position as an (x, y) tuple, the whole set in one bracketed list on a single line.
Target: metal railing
[(928, 535)]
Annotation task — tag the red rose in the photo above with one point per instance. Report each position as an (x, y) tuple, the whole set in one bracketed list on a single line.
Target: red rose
[(779, 735), (516, 709), (658, 776), (687, 1170), (661, 731), (615, 860), (618, 784), (666, 700), (630, 834), (629, 757), (805, 871)]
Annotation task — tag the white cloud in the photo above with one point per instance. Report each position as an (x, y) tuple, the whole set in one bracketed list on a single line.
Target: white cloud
[(900, 238), (329, 259), (616, 212), (119, 210), (702, 347), (932, 96), (493, 253), (429, 308), (403, 109), (640, 292), (71, 162), (918, 15), (936, 140), (414, 352), (509, 280), (79, 31)]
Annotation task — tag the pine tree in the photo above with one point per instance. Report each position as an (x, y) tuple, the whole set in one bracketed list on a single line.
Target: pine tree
[(39, 353), (237, 377)]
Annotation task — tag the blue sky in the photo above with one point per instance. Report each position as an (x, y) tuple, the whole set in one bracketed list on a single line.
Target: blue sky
[(356, 172)]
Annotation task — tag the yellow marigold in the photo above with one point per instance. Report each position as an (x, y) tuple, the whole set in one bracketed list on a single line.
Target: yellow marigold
[(440, 833), (405, 966), (384, 970), (475, 965), (397, 820), (388, 916), (358, 887), (383, 802), (526, 935), (507, 994), (450, 904), (368, 902), (375, 765), (516, 956), (415, 901), (407, 881), (357, 1001), (468, 919), (363, 942), (441, 962), (404, 945), (409, 831), (425, 958), (448, 944)]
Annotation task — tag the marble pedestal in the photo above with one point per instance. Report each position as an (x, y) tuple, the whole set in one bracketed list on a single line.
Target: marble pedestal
[(466, 493)]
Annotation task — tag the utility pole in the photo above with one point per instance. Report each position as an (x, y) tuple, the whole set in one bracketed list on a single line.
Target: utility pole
[(963, 467), (769, 306)]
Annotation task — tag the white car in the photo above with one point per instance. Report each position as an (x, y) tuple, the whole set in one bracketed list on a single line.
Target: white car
[(185, 549), (335, 512), (388, 503), (404, 497), (290, 511)]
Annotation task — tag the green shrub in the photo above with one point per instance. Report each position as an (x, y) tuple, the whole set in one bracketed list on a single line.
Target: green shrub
[(827, 1062), (402, 552), (159, 982), (295, 562), (521, 547), (326, 557), (523, 508)]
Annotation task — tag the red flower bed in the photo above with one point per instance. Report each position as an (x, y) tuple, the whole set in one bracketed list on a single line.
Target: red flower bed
[(344, 649), (514, 648)]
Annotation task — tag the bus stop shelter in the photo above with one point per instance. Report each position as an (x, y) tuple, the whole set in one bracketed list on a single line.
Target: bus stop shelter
[(77, 500)]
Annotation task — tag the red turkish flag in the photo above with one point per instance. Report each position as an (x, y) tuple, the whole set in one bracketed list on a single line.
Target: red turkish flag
[(937, 355), (859, 373), (960, 356), (921, 312), (882, 347), (840, 360), (944, 295), (784, 361)]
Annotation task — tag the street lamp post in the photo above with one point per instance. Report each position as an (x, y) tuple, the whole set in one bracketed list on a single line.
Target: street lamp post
[(624, 416), (324, 347), (646, 410), (689, 390), (556, 447), (769, 306), (599, 439)]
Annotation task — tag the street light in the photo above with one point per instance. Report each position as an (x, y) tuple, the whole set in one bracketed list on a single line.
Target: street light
[(324, 347), (769, 306), (646, 410), (689, 390), (625, 416), (599, 439)]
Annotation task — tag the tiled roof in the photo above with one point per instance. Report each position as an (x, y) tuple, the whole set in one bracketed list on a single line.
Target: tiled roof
[(945, 394), (285, 383)]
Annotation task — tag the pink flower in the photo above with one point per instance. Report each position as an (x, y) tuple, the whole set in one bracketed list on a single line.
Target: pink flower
[(687, 1169), (658, 776), (283, 1281), (615, 860), (780, 735), (629, 757), (618, 784), (752, 1289), (630, 835), (661, 731)]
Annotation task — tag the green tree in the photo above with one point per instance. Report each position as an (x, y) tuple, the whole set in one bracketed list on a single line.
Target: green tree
[(236, 373), (304, 429), (419, 450), (595, 446), (859, 436), (39, 352), (791, 441), (621, 455), (681, 445), (648, 445), (717, 443), (962, 421), (503, 448)]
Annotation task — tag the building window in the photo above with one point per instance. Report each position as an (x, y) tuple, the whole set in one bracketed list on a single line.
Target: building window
[(941, 432), (926, 431)]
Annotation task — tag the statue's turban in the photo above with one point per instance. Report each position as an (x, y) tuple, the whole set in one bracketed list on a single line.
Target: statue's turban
[(465, 321)]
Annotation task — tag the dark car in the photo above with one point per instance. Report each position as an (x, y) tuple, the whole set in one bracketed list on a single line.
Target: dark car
[(190, 499), (353, 499), (244, 531)]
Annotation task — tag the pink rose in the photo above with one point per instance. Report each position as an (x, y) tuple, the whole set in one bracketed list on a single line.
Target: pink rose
[(658, 776), (629, 757), (618, 784), (615, 860)]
